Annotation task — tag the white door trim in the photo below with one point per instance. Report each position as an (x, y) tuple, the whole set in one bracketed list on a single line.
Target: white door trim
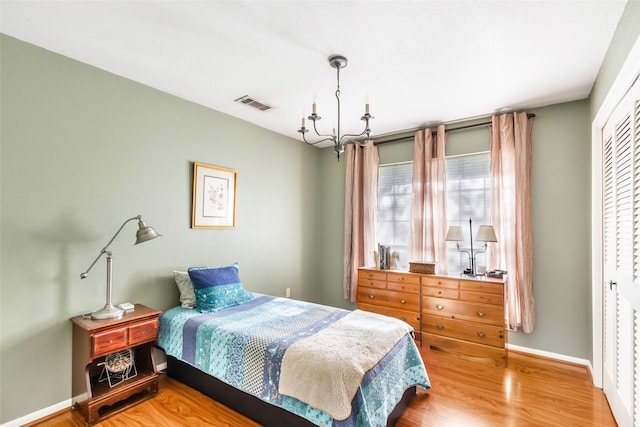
[(627, 75)]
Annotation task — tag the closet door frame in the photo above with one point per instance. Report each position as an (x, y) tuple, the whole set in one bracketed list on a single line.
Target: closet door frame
[(623, 82)]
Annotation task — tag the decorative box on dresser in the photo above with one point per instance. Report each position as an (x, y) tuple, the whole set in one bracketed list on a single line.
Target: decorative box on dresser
[(392, 293), (94, 396), (464, 316)]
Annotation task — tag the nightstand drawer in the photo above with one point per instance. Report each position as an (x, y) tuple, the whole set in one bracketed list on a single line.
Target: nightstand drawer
[(143, 332), (107, 342), (468, 331)]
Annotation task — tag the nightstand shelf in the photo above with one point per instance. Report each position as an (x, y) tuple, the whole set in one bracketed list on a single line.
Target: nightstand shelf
[(93, 341)]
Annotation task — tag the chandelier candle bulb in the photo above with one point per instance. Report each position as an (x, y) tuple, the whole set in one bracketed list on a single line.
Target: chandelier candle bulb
[(313, 108), (366, 108)]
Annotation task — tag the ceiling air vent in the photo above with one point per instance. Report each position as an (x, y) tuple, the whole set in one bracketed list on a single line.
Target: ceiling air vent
[(253, 103)]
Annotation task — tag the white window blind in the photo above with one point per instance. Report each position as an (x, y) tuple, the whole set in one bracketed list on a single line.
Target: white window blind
[(394, 208), (468, 196)]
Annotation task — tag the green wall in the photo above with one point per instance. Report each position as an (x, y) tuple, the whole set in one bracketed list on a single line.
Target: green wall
[(626, 34), (560, 216), (83, 150)]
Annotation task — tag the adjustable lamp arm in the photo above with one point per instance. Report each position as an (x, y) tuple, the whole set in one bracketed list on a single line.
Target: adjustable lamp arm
[(105, 249), (144, 233)]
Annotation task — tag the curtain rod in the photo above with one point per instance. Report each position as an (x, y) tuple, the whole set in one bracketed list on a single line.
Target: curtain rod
[(434, 133)]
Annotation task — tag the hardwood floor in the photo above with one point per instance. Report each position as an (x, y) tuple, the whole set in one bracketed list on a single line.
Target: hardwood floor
[(530, 391)]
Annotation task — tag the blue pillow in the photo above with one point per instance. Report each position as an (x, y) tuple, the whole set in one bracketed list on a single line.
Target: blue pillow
[(217, 287)]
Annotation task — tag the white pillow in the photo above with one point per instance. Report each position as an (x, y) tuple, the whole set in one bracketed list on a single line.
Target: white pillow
[(187, 294)]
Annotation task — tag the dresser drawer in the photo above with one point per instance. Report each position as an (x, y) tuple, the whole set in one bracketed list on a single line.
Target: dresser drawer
[(403, 278), (456, 309), (413, 288), (479, 286), (372, 274), (440, 282), (107, 342), (482, 298), (469, 331), (388, 298), (371, 283), (412, 318), (440, 292), (143, 332)]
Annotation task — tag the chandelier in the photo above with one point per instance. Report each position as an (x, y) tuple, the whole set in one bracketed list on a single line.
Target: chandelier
[(339, 141)]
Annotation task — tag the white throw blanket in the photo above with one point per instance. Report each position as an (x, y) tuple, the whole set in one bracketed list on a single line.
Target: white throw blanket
[(326, 369)]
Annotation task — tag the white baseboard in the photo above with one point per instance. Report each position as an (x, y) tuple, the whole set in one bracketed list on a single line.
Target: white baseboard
[(551, 355), (34, 416), (42, 413)]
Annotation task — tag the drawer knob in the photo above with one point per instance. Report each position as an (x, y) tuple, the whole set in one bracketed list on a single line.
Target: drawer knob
[(402, 279), (481, 334), (371, 296), (439, 306), (404, 319), (403, 301), (439, 326), (481, 313)]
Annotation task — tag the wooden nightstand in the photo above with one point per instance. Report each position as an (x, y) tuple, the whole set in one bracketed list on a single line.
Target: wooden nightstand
[(93, 340)]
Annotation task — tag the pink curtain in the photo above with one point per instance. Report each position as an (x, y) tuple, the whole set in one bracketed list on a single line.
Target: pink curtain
[(511, 215), (428, 208), (360, 212)]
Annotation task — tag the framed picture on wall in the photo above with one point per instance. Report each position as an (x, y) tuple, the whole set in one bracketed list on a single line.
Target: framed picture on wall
[(214, 197)]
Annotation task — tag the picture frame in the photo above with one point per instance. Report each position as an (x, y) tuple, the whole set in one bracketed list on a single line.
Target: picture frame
[(214, 196)]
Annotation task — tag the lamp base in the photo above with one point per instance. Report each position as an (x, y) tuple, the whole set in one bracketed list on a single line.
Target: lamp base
[(108, 312)]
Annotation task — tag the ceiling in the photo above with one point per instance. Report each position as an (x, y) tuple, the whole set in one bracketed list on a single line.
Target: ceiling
[(416, 62)]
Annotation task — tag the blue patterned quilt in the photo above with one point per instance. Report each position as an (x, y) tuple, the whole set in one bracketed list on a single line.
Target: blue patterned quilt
[(244, 345)]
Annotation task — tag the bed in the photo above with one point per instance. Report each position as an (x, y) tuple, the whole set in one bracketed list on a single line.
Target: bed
[(284, 362)]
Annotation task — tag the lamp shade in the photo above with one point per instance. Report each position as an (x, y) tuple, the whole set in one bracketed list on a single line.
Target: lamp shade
[(486, 233), (454, 234), (145, 232)]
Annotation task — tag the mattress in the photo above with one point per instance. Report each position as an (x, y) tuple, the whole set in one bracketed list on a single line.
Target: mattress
[(244, 346)]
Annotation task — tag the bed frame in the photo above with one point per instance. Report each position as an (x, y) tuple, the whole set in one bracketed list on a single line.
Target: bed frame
[(250, 406)]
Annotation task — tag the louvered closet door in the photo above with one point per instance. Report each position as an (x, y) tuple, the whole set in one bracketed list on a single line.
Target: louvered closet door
[(621, 295)]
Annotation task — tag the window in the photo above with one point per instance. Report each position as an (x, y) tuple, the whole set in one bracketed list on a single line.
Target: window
[(394, 208), (468, 196)]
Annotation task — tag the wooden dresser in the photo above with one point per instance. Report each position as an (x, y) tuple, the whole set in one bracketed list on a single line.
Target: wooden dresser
[(392, 293), (464, 316), (460, 315)]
